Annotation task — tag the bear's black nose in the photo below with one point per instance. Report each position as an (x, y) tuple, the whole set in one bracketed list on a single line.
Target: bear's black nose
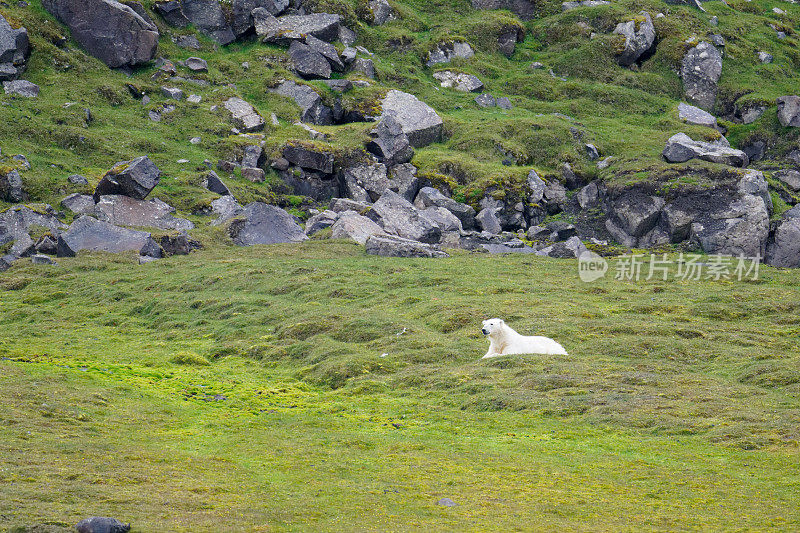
[(485, 332)]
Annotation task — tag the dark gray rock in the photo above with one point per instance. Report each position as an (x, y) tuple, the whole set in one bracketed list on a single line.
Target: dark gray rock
[(243, 13), (125, 211), (327, 50), (571, 248), (135, 178), (196, 64), (561, 231), (82, 204), (635, 213), (309, 157), (430, 197), (487, 220), (419, 121), (790, 178), (398, 216), (318, 185), (446, 51), (225, 208), (308, 63), (179, 244), (22, 88), (77, 179), (783, 249), (640, 36), (102, 524), (536, 186), (213, 183), (208, 17), (341, 86), (90, 234), (701, 69), (366, 183), (256, 175), (694, 115), (443, 218), (390, 144), (351, 225), (365, 67), (244, 116), (172, 92), (253, 156), (681, 148), (789, 111), (393, 246), (504, 103), (382, 12), (14, 50), (340, 205), (188, 41), (459, 81), (320, 221), (41, 259), (172, 13), (288, 28), (312, 109), (589, 196), (17, 221), (11, 187), (260, 223), (109, 30)]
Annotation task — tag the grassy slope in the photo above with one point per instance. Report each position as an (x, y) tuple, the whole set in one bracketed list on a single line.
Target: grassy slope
[(676, 408)]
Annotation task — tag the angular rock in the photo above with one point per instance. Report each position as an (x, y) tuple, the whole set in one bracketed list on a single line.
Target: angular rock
[(312, 109), (681, 148), (351, 225), (196, 64), (790, 178), (288, 28), (47, 245), (318, 185), (102, 524), (701, 69), (588, 196), (571, 248), (11, 187), (213, 183), (125, 211), (419, 121), (328, 51), (382, 12), (393, 246), (739, 229), (486, 100), (340, 205), (390, 144), (789, 111), (135, 178), (429, 197), (18, 220), (487, 220), (109, 30), (341, 86), (77, 179), (308, 63), (364, 66), (783, 249), (640, 35), (260, 223), (459, 81), (90, 234), (180, 244), (398, 216), (256, 175), (243, 13), (507, 41), (446, 51), (694, 115), (567, 6), (443, 218), (366, 183), (22, 88), (225, 208), (172, 13), (172, 92), (635, 212), (321, 221), (14, 50), (244, 116), (82, 204), (309, 157), (208, 17)]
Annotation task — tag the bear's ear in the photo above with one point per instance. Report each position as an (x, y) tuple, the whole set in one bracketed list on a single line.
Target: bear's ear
[(501, 321)]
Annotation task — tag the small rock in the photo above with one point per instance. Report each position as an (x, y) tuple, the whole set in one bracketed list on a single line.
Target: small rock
[(102, 524), (446, 502), (196, 64), (195, 140), (765, 57), (486, 100), (22, 88), (172, 92), (41, 259)]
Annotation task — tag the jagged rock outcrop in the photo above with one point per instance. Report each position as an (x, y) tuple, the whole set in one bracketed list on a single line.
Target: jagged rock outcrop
[(126, 211), (287, 28), (320, 221), (783, 249), (681, 148), (445, 52), (208, 17), (14, 50), (382, 12), (109, 30), (244, 115), (312, 108), (700, 70), (135, 178), (394, 246), (398, 216), (789, 111), (308, 63), (260, 223), (639, 35), (390, 144), (81, 204), (90, 234), (419, 121), (243, 22), (428, 197)]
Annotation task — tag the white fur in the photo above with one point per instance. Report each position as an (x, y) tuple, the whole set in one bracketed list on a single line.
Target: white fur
[(505, 341)]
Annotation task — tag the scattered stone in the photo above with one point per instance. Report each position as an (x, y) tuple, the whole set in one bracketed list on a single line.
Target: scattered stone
[(135, 178), (701, 70), (208, 17), (398, 216), (288, 28), (487, 221), (429, 197), (351, 225), (328, 51), (213, 183), (109, 30), (82, 204), (41, 259), (196, 64), (308, 63), (90, 234), (309, 157), (390, 144), (14, 50), (789, 111), (256, 175), (605, 163), (790, 178), (171, 12), (694, 115), (447, 502), (591, 152), (172, 92), (321, 221), (312, 109), (382, 12), (125, 211), (187, 41), (341, 86), (102, 524), (22, 88), (640, 35), (445, 52), (765, 57), (260, 223), (459, 81), (419, 121), (393, 246), (11, 187), (364, 66), (486, 100), (225, 208), (567, 6), (244, 116), (681, 148), (504, 103), (77, 179)]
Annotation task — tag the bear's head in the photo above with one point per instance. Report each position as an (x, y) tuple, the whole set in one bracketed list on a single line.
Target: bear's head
[(493, 325)]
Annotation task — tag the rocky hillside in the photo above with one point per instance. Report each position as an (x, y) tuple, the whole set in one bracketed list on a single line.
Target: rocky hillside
[(409, 126)]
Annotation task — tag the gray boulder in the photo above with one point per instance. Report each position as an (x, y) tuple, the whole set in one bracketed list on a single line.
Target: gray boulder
[(243, 13), (789, 111), (588, 196), (567, 6), (459, 81), (22, 88), (739, 229), (308, 157), (694, 115), (125, 211), (77, 179), (430, 197), (486, 100), (446, 51), (260, 223), (82, 204), (135, 178), (537, 186), (681, 148), (364, 66), (393, 246), (16, 222), (14, 50), (382, 12), (340, 205), (11, 187), (398, 216), (208, 17), (102, 524), (93, 235), (253, 156), (366, 183), (701, 69), (308, 63), (225, 208), (390, 144), (213, 183), (487, 220), (419, 121), (507, 41), (320, 221), (790, 178), (571, 248), (783, 249), (639, 39), (351, 225), (244, 115), (196, 64), (327, 50), (315, 184), (178, 244), (172, 13), (443, 218), (289, 28), (312, 109), (635, 212), (109, 30)]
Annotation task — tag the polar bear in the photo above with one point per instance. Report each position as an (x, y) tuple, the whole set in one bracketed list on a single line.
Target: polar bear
[(505, 341)]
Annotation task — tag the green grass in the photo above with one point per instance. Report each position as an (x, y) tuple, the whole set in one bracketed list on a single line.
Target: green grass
[(677, 398)]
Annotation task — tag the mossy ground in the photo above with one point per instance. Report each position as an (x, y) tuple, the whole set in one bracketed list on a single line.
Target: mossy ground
[(677, 407)]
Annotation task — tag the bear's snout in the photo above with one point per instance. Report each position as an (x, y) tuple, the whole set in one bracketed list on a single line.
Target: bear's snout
[(484, 331)]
